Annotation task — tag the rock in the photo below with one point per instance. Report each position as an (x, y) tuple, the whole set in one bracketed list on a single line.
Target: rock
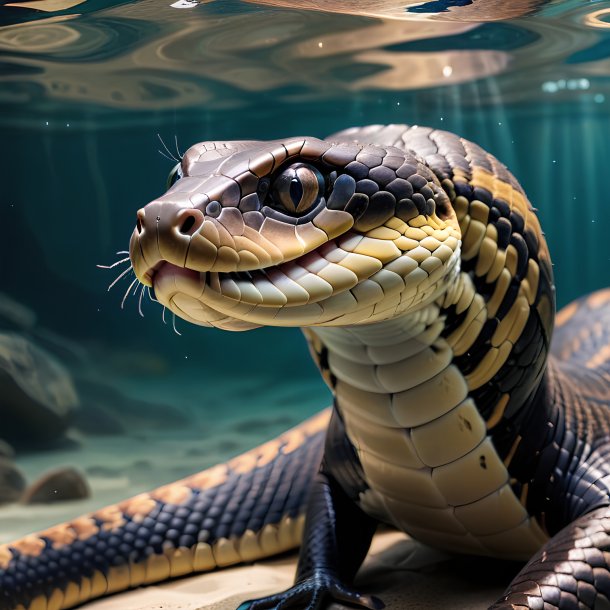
[(14, 314), (12, 481), (101, 400), (6, 450), (37, 396), (18, 318), (57, 485), (97, 421), (65, 349)]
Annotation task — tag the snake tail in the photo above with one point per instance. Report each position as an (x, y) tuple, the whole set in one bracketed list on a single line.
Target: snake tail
[(246, 509)]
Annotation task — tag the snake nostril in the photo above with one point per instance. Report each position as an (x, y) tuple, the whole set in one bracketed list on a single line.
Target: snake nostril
[(140, 217), (187, 225), (188, 222)]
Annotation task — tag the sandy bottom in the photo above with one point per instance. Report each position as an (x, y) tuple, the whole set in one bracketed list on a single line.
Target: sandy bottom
[(235, 416), (403, 573)]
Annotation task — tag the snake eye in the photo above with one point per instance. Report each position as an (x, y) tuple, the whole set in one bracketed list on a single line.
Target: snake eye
[(298, 188), (174, 175)]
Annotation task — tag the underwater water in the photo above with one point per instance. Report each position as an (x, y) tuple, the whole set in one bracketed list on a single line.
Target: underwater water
[(86, 89)]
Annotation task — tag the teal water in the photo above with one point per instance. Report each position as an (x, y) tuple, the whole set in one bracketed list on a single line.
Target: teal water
[(86, 88)]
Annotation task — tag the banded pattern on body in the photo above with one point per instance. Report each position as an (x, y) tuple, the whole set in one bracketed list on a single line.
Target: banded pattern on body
[(480, 349), (246, 509), (417, 268)]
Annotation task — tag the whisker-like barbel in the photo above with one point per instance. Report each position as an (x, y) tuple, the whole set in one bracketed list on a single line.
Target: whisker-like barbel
[(128, 291), (119, 262), (150, 296), (162, 153), (177, 148), (174, 325), (169, 152), (140, 300), (121, 275)]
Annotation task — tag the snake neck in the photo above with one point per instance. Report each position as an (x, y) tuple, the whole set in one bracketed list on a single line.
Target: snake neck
[(380, 358), (389, 373), (414, 369), (422, 443)]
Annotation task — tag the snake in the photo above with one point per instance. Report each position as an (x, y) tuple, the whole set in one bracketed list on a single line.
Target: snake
[(417, 269)]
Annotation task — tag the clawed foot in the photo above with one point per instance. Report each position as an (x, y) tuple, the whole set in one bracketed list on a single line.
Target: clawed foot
[(314, 593)]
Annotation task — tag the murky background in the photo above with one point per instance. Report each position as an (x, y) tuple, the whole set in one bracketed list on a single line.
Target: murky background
[(87, 87)]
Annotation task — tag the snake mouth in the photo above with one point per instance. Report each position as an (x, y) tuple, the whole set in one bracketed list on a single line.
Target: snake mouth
[(149, 275), (305, 280), (164, 273), (266, 287), (165, 269)]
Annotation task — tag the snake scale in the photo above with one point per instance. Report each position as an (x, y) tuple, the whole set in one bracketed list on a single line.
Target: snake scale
[(418, 271)]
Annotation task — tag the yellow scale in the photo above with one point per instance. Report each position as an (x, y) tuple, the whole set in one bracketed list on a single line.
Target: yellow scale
[(432, 470)]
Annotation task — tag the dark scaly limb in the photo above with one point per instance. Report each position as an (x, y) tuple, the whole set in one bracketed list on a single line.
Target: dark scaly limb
[(336, 539), (337, 534)]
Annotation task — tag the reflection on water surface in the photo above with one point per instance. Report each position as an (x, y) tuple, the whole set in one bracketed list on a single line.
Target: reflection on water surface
[(146, 55)]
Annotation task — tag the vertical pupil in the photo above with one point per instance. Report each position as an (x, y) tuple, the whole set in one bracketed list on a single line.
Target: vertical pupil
[(296, 191)]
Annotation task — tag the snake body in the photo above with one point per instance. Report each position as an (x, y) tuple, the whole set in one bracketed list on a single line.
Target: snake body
[(418, 271)]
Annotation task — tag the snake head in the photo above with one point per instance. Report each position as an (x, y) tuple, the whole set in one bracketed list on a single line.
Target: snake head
[(296, 232)]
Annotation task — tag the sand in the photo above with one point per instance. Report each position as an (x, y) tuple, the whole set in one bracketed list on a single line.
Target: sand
[(403, 573)]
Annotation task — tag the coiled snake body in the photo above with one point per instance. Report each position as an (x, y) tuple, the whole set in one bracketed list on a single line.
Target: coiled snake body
[(417, 268)]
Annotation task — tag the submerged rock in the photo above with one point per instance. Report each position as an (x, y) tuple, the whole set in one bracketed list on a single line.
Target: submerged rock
[(57, 485), (67, 350), (96, 420), (37, 396), (12, 481), (15, 315), (106, 410), (6, 451)]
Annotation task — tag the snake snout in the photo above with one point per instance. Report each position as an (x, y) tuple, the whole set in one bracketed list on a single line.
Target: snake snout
[(163, 233), (165, 217)]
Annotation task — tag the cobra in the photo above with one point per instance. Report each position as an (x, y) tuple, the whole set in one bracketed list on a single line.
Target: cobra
[(418, 271)]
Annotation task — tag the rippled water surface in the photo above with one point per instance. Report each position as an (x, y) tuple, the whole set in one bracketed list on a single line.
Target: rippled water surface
[(87, 86)]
